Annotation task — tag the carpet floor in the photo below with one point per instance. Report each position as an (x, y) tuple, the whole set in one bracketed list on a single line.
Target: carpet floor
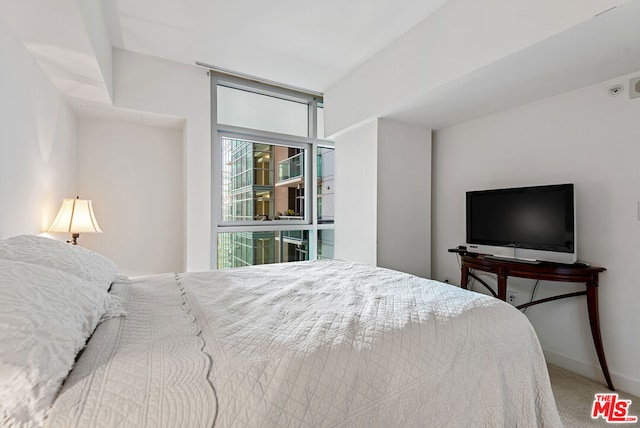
[(574, 396)]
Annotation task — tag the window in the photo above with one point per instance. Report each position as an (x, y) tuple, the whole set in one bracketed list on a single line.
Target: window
[(252, 110), (273, 175), (262, 181), (325, 185), (237, 249)]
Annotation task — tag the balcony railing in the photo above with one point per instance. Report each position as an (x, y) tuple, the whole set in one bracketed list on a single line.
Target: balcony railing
[(291, 168)]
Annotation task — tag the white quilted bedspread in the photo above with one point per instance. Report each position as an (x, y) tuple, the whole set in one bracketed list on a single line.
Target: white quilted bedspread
[(311, 344), (142, 370)]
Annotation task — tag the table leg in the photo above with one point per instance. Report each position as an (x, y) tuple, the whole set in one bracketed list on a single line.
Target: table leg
[(502, 285), (594, 321), (465, 277)]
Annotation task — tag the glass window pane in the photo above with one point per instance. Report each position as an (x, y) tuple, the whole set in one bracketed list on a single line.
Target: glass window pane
[(320, 123), (250, 110), (262, 181), (237, 249), (325, 243), (320, 115), (326, 185)]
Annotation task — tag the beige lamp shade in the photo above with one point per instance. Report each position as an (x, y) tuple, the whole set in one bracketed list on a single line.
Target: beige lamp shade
[(75, 216)]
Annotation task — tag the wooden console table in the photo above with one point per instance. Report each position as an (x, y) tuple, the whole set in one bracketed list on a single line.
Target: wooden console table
[(545, 272)]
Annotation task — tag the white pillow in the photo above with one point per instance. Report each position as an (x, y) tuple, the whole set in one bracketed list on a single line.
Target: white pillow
[(72, 259), (46, 316)]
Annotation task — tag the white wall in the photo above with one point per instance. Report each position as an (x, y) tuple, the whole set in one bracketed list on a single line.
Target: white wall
[(356, 194), (584, 137), (38, 143), (154, 85), (404, 197), (383, 202), (68, 39), (96, 28), (133, 174)]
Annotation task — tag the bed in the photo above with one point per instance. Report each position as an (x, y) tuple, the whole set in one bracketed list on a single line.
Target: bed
[(306, 344)]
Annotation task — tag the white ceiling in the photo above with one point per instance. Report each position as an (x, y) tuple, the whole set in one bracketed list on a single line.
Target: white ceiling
[(310, 45), (303, 43)]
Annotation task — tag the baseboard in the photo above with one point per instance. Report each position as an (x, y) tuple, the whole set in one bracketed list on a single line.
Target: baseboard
[(620, 382)]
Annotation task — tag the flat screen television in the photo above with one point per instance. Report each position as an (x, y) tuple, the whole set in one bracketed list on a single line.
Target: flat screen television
[(536, 223)]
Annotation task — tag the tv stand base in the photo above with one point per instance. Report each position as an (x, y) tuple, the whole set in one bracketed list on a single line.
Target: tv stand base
[(545, 272)]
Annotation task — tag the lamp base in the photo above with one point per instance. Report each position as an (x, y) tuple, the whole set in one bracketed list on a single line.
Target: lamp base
[(74, 239)]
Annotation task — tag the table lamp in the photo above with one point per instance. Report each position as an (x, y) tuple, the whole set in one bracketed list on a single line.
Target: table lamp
[(75, 216)]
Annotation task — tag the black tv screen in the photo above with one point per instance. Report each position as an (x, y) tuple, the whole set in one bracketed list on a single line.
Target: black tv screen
[(536, 218)]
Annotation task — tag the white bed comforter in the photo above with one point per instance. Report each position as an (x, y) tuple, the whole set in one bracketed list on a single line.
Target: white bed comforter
[(314, 344)]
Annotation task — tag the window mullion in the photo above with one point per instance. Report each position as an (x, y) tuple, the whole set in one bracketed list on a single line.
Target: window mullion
[(216, 176)]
